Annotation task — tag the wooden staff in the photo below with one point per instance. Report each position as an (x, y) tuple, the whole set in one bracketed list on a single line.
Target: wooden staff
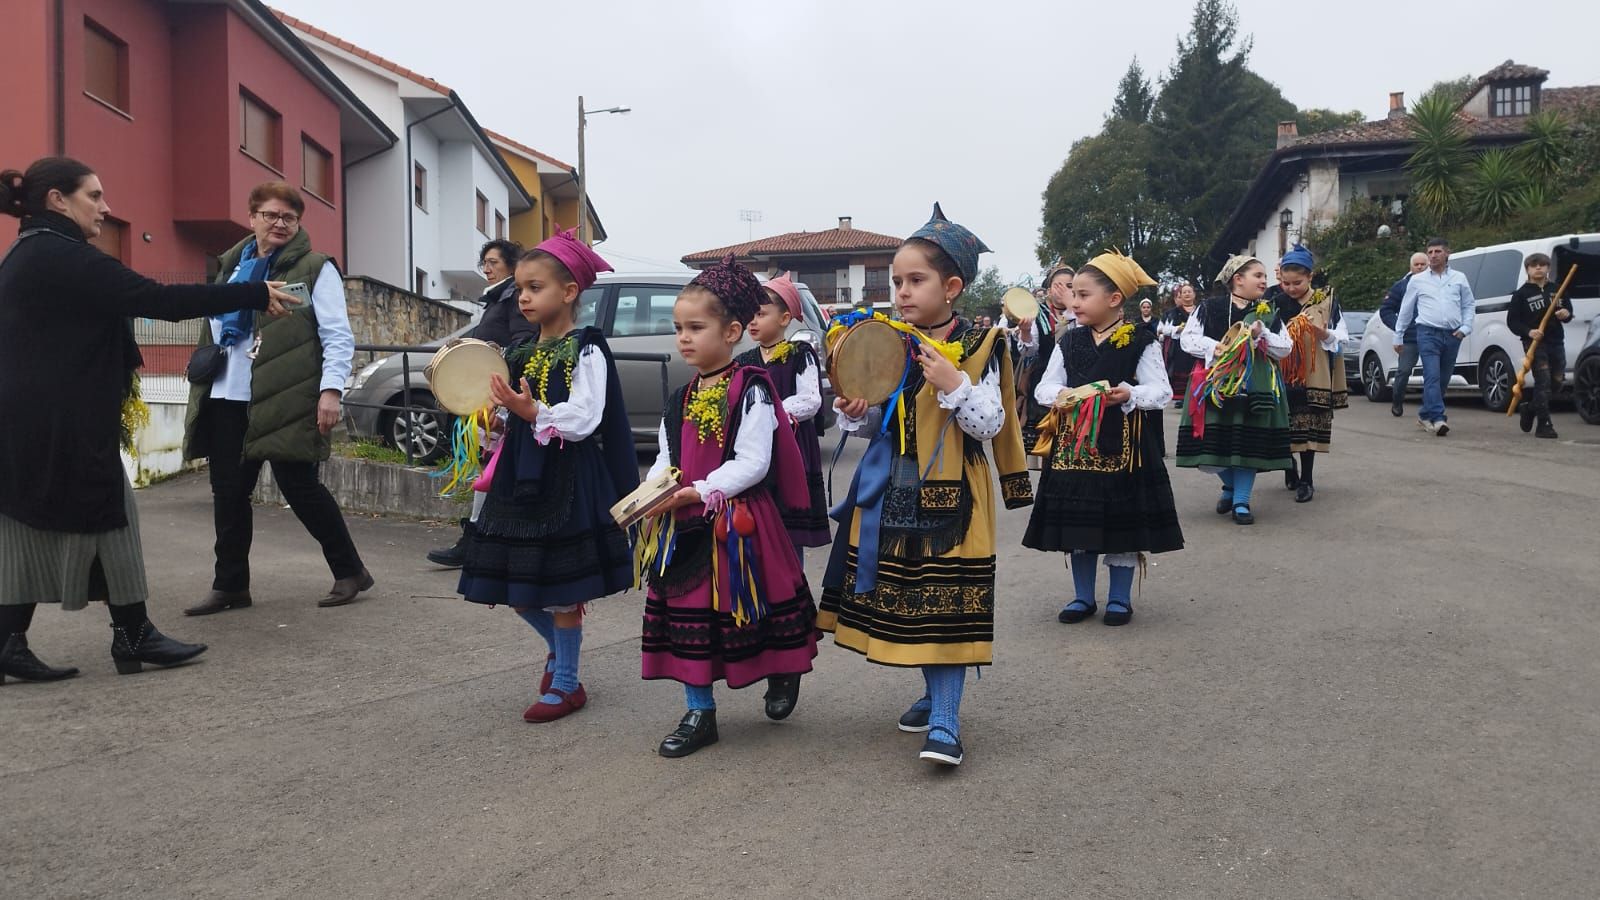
[(1533, 347)]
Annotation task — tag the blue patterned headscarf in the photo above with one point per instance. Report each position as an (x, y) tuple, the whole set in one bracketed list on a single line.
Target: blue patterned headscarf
[(962, 245), (1299, 256)]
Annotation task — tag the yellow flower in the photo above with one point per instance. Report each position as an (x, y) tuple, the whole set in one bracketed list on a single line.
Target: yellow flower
[(1263, 309), (708, 410), (1122, 336), (544, 357), (781, 352)]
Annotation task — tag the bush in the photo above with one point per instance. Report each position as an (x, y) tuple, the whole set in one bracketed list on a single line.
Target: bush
[(1360, 265)]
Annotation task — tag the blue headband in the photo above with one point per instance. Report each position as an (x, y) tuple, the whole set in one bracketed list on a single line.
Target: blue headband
[(1298, 256), (960, 244)]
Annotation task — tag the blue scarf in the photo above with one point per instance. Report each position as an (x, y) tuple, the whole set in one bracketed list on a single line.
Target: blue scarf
[(238, 325)]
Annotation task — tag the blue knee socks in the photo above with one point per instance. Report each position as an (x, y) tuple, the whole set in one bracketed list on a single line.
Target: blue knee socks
[(926, 703), (1244, 481), (544, 623), (699, 697), (564, 672), (944, 689), (1227, 482), (1083, 576), (1121, 584)]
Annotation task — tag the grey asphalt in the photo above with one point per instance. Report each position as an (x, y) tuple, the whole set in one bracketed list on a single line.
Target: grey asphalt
[(1389, 692)]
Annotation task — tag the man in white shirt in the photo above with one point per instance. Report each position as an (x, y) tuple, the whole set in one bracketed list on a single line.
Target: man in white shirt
[(1439, 301)]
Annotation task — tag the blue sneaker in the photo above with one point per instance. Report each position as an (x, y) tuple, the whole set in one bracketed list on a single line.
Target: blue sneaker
[(943, 752)]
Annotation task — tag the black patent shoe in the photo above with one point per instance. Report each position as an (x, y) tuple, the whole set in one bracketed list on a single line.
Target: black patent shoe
[(1243, 516), (1304, 492), (1076, 612), (1291, 478), (1224, 504), (915, 719), (131, 648), (18, 662), (455, 556), (1118, 612), (942, 748), (697, 729), (783, 692)]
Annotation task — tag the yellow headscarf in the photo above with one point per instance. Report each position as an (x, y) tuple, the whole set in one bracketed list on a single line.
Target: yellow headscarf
[(1232, 267), (1128, 275)]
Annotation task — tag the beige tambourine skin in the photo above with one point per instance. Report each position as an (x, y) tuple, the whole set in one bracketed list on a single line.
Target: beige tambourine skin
[(647, 496), (1019, 304), (868, 362), (459, 374)]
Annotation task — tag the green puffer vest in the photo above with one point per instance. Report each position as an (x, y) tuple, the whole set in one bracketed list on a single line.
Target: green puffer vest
[(286, 377)]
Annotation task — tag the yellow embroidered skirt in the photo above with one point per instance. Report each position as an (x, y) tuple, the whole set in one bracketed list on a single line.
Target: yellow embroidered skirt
[(928, 608)]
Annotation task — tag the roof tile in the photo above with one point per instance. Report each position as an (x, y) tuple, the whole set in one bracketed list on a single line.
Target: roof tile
[(834, 240), (359, 52)]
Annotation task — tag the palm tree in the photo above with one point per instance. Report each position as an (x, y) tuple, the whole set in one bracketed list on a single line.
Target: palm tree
[(1545, 152), (1497, 187), (1437, 164)]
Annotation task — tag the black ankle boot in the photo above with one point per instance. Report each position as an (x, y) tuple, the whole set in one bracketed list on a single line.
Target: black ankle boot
[(697, 729), (17, 661), (453, 557), (783, 692), (132, 647)]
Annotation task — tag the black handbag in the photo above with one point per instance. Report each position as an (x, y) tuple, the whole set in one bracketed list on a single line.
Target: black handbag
[(205, 364)]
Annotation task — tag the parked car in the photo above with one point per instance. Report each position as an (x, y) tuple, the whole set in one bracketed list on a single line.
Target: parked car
[(1586, 379), (635, 312), (1491, 354), (1355, 323)]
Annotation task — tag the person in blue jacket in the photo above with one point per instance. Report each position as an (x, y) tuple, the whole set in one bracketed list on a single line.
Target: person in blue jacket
[(1389, 312)]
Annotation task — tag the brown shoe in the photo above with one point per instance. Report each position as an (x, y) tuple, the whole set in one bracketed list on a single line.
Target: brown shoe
[(217, 601), (345, 589)]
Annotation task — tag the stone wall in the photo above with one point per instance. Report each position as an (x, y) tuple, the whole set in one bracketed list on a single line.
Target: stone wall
[(384, 314)]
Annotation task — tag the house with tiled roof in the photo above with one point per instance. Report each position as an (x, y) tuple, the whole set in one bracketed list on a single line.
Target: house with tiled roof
[(553, 187), (419, 211), (1309, 180), (843, 266)]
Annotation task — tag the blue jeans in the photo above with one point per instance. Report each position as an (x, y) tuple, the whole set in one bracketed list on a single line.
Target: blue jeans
[(1402, 371), (1437, 349)]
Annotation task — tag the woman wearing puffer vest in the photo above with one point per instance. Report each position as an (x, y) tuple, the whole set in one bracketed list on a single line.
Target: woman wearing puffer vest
[(274, 400)]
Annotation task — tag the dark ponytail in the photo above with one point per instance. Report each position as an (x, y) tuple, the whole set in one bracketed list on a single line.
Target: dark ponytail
[(24, 193)]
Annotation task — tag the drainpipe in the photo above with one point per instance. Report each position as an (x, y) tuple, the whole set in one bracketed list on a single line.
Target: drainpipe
[(61, 78), (411, 246)]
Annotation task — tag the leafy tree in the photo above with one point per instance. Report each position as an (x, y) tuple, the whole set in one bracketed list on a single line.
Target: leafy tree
[(1101, 197), (1311, 121), (1492, 193), (1134, 98), (984, 294), (1543, 155), (1452, 90), (1212, 127), (1438, 163)]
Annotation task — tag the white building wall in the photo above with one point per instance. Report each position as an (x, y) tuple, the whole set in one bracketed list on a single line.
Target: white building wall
[(1313, 202), (425, 224)]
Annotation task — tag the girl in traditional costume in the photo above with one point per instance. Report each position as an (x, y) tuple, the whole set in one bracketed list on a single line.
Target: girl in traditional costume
[(1179, 363), (1104, 489), (796, 373), (1236, 419), (1313, 371), (727, 598), (544, 542), (911, 578)]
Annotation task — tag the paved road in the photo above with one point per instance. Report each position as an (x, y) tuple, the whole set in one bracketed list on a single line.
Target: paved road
[(1388, 693)]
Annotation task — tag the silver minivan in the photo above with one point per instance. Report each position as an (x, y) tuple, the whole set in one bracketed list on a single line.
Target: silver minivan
[(635, 312)]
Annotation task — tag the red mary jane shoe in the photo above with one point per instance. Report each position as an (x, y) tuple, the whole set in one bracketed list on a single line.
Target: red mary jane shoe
[(549, 712)]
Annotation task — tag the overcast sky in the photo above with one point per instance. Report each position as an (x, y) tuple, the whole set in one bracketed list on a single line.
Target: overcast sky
[(811, 110)]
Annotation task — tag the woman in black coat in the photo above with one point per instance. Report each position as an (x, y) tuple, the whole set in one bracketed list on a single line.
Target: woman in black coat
[(69, 531)]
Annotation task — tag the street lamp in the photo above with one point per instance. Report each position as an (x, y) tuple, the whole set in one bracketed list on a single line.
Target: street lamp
[(583, 169)]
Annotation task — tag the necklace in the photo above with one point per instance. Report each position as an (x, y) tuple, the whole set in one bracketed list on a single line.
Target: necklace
[(707, 376), (932, 328)]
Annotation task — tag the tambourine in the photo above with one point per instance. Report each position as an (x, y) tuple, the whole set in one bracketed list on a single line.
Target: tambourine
[(459, 374), (647, 496), (868, 361), (1019, 304)]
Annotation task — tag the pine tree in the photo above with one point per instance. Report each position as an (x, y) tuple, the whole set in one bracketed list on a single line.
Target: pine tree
[(1134, 99)]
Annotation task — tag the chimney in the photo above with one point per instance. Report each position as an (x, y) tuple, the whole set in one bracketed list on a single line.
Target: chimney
[(844, 223), (1397, 104), (1288, 133)]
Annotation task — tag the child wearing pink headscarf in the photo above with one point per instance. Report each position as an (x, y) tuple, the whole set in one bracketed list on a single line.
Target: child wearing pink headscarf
[(544, 542), (795, 372)]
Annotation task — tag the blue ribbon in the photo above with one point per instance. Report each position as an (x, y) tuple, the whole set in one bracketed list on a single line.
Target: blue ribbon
[(866, 494)]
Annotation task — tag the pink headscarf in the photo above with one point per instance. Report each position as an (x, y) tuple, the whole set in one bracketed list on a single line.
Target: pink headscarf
[(584, 264), (784, 287)]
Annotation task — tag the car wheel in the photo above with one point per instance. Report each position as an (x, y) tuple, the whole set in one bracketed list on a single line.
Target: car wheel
[(1586, 389), (1373, 383), (423, 430), (1494, 380)]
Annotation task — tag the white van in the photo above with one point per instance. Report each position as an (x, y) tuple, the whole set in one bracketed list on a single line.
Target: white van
[(1491, 355)]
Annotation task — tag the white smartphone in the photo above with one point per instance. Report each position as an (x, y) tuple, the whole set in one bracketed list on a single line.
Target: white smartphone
[(299, 291)]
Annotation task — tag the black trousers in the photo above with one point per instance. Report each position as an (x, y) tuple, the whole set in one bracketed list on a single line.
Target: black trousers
[(233, 478), (1549, 372)]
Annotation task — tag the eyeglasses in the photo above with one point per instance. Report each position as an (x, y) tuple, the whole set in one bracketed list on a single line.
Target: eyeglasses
[(271, 218)]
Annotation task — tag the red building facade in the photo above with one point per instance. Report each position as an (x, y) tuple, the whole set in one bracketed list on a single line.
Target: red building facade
[(181, 108)]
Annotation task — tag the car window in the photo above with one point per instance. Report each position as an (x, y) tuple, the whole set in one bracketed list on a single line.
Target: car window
[(589, 305), (644, 309), (1498, 274)]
